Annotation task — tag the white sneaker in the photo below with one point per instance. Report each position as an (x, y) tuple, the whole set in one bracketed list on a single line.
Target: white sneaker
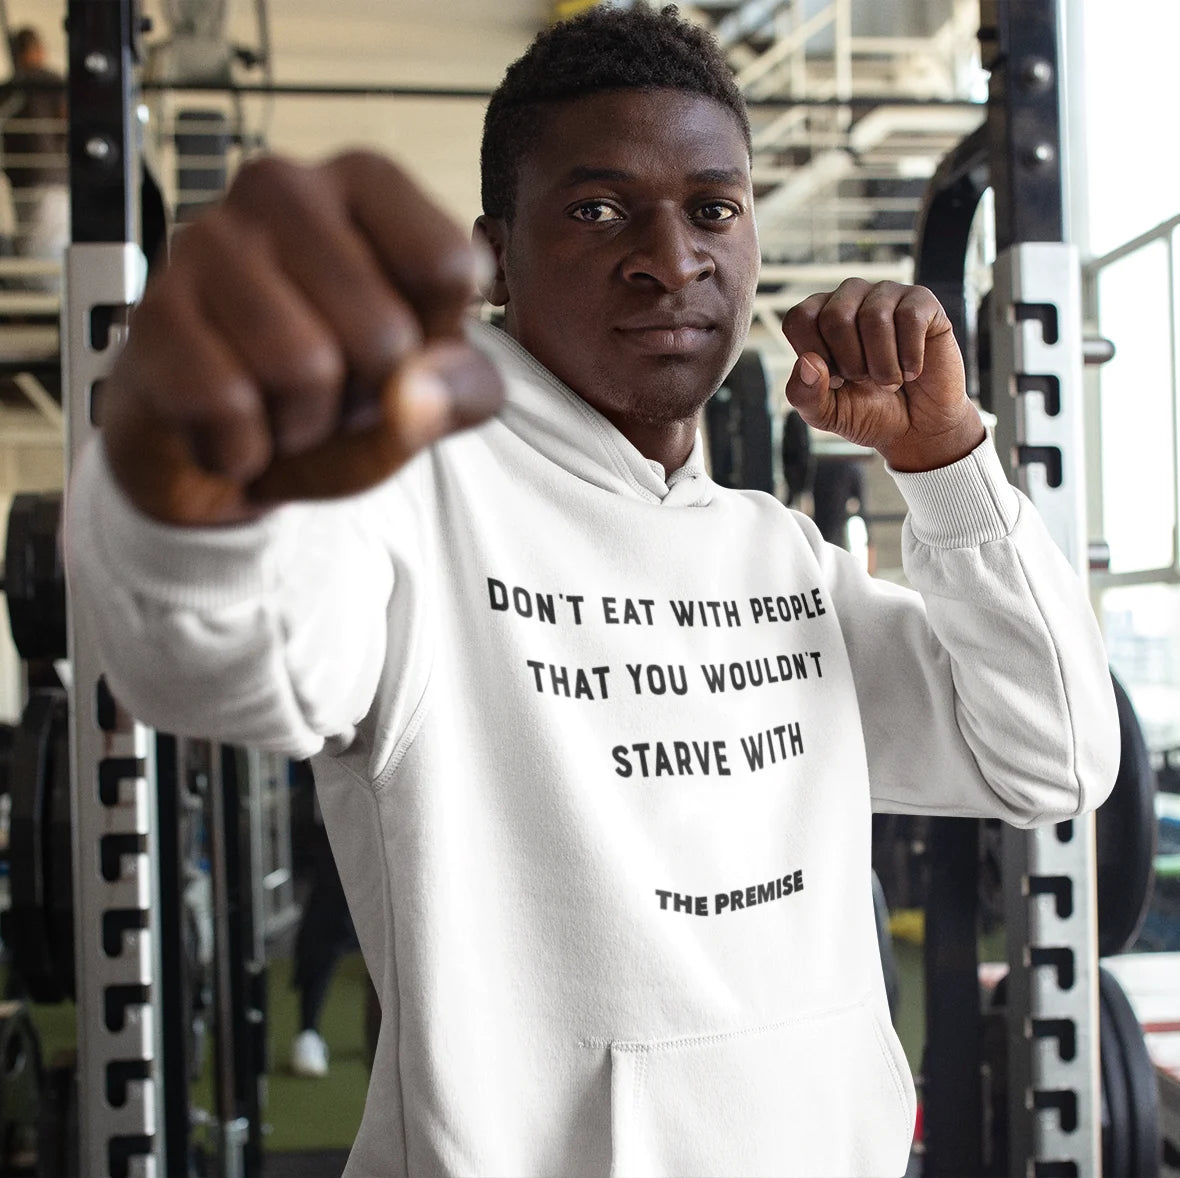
[(309, 1055)]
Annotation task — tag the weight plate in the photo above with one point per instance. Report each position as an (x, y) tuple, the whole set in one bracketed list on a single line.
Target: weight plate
[(37, 857), (1127, 1069), (1125, 835), (34, 577), (20, 1089)]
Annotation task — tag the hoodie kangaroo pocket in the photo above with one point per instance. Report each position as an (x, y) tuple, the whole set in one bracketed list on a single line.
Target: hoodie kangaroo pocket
[(823, 1095)]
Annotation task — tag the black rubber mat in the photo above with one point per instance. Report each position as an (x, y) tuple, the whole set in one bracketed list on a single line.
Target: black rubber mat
[(305, 1164)]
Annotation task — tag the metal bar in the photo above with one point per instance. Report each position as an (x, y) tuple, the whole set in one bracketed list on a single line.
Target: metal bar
[(103, 143), (784, 47), (116, 922), (231, 1160), (363, 90), (1019, 39), (176, 999), (1175, 382), (818, 273), (39, 398), (1101, 580), (114, 790), (1163, 229), (952, 1089)]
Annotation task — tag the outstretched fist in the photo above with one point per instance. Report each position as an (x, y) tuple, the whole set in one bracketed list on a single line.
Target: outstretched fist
[(304, 341), (879, 365)]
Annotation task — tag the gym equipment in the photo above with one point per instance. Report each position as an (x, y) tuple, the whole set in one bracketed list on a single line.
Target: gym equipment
[(34, 579), (1125, 837), (21, 1082), (1130, 1127), (1131, 1132), (58, 1124), (737, 420), (38, 925), (1049, 873)]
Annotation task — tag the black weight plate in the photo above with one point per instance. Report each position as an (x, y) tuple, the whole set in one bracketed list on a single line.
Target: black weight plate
[(59, 877), (58, 1152), (1137, 1134), (1125, 837), (24, 923), (1116, 1106), (34, 577), (20, 1089)]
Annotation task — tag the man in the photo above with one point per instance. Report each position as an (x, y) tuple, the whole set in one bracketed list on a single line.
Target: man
[(596, 741), (34, 137)]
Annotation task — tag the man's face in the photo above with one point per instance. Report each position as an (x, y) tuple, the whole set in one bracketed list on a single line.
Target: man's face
[(630, 265)]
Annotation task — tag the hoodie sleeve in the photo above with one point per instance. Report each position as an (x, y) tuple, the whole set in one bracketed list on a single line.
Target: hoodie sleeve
[(274, 634), (986, 693)]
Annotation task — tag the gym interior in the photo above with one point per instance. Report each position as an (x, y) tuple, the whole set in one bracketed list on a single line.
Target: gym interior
[(1007, 154)]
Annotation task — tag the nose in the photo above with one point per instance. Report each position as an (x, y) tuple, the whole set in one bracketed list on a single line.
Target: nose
[(666, 252)]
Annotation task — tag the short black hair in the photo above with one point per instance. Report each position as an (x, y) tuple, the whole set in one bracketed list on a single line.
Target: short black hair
[(606, 48)]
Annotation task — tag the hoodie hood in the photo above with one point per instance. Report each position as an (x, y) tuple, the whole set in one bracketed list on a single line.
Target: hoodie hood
[(557, 423)]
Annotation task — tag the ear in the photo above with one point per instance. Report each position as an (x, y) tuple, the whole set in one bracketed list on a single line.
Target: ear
[(491, 234)]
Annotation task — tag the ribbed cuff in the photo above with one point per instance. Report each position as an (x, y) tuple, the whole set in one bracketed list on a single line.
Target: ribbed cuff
[(194, 568), (962, 505)]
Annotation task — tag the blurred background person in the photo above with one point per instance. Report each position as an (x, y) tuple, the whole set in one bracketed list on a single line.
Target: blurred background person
[(33, 110)]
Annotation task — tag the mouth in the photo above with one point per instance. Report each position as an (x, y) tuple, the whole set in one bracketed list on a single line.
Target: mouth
[(667, 337)]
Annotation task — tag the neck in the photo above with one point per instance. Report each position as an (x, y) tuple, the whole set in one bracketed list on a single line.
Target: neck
[(668, 443)]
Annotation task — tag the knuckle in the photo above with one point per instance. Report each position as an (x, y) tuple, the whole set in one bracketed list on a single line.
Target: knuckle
[(263, 179), (876, 315), (359, 165), (798, 317), (190, 242), (378, 343), (834, 315), (910, 314), (321, 367), (228, 405)]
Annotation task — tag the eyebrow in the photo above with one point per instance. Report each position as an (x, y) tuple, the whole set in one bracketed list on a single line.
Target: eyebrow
[(581, 175)]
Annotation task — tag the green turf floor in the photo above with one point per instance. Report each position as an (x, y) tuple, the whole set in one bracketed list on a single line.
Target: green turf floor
[(318, 1114), (301, 1114)]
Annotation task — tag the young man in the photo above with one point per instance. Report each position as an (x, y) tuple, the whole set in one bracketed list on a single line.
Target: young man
[(596, 740)]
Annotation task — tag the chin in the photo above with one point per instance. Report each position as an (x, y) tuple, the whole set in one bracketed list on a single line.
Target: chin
[(664, 405)]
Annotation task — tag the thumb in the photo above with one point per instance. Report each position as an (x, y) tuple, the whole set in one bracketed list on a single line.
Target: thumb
[(446, 387), (808, 389)]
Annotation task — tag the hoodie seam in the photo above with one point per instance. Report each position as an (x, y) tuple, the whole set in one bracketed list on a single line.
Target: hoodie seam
[(407, 738), (644, 1047)]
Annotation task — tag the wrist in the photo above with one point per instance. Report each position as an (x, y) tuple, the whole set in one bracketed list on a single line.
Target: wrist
[(933, 451)]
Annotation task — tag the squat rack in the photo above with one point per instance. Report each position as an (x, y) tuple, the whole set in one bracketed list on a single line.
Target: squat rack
[(123, 1094)]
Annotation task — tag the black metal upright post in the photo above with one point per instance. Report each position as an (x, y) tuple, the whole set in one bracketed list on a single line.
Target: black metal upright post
[(103, 146), (1050, 907)]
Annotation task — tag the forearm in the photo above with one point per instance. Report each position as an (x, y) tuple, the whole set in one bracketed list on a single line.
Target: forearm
[(269, 634), (988, 695), (1033, 696)]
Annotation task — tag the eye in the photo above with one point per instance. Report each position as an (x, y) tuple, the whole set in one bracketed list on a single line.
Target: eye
[(718, 212), (595, 212)]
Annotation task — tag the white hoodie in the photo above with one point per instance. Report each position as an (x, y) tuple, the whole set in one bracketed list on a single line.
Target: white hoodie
[(597, 750)]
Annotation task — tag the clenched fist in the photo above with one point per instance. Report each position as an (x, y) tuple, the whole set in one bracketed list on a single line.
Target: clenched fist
[(304, 340), (879, 365)]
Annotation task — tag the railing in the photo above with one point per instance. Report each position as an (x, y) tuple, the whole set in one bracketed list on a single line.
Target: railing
[(1154, 437)]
